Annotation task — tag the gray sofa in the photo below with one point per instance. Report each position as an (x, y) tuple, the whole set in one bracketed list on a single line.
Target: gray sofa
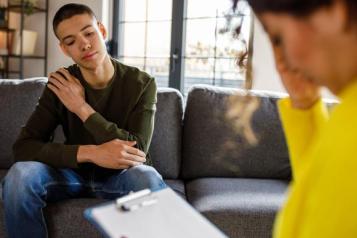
[(238, 187)]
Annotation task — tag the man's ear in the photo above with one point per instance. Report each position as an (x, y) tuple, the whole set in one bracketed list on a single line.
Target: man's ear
[(102, 30), (63, 48)]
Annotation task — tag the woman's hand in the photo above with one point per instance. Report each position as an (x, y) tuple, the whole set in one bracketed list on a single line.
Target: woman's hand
[(303, 92)]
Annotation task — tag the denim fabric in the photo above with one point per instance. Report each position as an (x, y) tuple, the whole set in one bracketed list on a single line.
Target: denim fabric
[(29, 186)]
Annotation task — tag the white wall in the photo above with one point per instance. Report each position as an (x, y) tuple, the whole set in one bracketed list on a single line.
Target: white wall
[(265, 75), (56, 58)]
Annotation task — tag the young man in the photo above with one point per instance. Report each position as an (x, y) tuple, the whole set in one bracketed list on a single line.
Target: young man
[(106, 110)]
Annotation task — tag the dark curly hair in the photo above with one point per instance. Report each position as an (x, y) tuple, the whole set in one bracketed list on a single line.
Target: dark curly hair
[(298, 8)]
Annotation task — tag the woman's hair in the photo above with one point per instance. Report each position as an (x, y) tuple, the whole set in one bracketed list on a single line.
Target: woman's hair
[(243, 106), (298, 8)]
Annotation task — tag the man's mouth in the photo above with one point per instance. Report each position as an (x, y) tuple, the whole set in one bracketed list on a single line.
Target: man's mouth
[(89, 55)]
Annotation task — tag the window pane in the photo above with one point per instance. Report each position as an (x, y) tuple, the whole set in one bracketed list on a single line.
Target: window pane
[(134, 10), (155, 67), (227, 73), (158, 68), (136, 62), (159, 10), (211, 47), (227, 45), (200, 37), (158, 42), (213, 8), (198, 71), (134, 40)]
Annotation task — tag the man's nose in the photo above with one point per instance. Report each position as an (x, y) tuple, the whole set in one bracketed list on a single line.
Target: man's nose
[(85, 44)]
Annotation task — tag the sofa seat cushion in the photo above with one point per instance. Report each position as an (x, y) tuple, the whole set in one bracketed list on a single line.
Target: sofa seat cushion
[(65, 218), (239, 207), (178, 186)]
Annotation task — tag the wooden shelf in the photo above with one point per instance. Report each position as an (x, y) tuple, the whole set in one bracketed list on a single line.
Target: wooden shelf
[(19, 9), (4, 28), (20, 60), (23, 56)]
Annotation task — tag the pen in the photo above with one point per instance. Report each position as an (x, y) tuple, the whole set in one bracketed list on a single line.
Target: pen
[(126, 207), (133, 196)]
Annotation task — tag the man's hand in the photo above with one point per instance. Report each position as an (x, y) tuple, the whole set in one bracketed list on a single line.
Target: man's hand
[(115, 154), (303, 92), (71, 93)]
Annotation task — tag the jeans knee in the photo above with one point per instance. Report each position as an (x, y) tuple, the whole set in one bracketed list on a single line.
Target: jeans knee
[(144, 176), (22, 178)]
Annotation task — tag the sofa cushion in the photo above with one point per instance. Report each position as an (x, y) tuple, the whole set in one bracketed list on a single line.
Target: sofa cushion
[(178, 186), (165, 148), (58, 214), (212, 148), (18, 99), (239, 207)]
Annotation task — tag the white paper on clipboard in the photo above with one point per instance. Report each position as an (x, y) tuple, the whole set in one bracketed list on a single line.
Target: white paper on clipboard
[(168, 216)]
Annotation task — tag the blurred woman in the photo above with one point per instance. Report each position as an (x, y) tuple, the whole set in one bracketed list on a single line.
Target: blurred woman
[(315, 45)]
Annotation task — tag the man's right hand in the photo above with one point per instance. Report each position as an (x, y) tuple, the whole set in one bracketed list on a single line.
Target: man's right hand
[(304, 93), (115, 154)]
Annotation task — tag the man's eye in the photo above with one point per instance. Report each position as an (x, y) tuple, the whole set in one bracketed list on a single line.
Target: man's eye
[(89, 33)]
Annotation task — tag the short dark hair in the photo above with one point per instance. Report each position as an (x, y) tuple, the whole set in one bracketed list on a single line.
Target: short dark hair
[(68, 11)]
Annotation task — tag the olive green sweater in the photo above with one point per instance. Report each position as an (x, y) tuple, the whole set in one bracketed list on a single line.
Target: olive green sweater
[(125, 109)]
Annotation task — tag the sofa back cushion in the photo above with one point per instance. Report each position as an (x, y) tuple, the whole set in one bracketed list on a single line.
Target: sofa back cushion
[(212, 148), (165, 148), (18, 99)]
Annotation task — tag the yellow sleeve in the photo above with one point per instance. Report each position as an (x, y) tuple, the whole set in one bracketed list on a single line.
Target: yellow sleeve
[(301, 128)]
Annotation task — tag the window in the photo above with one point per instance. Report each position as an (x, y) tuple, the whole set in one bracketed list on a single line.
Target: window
[(182, 47)]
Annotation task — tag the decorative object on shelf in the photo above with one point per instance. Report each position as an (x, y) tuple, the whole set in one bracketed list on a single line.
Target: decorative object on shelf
[(19, 43), (29, 5), (28, 42), (3, 21)]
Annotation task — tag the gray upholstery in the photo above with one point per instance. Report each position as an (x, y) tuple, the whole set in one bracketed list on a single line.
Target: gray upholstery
[(240, 207), (211, 148), (18, 99), (72, 210), (165, 148), (188, 152)]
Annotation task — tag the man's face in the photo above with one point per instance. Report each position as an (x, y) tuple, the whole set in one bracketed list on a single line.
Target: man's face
[(82, 38)]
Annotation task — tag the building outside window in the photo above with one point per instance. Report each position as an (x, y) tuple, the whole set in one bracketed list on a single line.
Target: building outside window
[(183, 42)]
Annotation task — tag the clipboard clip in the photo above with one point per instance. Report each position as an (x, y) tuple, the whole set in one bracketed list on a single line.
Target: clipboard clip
[(136, 200)]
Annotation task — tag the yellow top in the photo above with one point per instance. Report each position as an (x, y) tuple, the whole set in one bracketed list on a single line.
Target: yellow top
[(322, 198)]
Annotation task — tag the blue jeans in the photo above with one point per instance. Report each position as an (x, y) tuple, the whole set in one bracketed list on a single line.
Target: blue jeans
[(29, 186)]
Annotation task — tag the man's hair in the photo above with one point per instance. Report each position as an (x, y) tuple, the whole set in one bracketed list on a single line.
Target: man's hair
[(69, 10)]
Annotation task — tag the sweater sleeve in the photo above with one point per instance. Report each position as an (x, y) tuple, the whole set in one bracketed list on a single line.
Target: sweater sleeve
[(302, 128), (140, 122), (35, 140)]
